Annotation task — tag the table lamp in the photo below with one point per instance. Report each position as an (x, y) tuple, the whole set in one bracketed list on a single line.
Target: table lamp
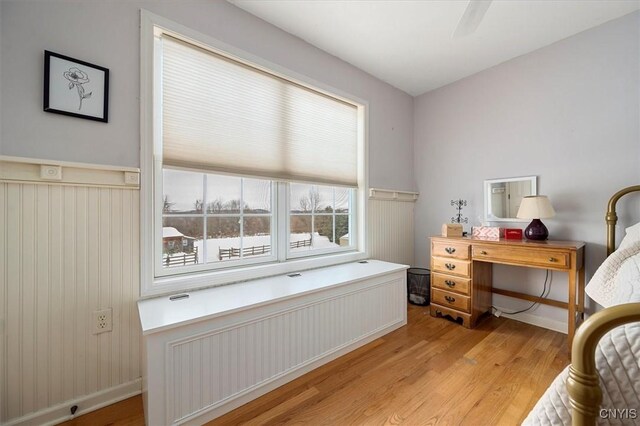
[(536, 207)]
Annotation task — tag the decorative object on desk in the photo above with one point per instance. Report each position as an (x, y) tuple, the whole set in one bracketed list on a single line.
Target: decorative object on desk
[(452, 230), (513, 234), (536, 207), (76, 88), (459, 204), (486, 232)]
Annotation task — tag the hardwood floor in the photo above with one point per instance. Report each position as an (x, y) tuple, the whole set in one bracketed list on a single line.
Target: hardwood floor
[(430, 372)]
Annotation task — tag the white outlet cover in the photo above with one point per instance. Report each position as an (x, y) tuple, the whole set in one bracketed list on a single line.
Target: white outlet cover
[(102, 321), (131, 178), (50, 172)]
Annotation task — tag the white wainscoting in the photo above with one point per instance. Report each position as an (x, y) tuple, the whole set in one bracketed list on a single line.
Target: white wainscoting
[(390, 228), (67, 248), (198, 370), (69, 245)]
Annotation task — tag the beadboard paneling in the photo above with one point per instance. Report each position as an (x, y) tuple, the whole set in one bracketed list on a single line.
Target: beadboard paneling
[(200, 370), (66, 251), (390, 228)]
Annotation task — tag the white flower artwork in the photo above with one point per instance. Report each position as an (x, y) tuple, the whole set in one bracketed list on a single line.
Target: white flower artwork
[(77, 78)]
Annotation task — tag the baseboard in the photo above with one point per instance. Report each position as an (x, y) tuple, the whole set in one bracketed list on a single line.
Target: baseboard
[(549, 324), (60, 413), (212, 413)]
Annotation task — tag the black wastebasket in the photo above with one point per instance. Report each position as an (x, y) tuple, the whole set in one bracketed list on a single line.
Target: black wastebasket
[(418, 285)]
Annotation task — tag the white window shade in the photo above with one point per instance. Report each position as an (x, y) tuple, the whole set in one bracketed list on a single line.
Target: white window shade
[(225, 116)]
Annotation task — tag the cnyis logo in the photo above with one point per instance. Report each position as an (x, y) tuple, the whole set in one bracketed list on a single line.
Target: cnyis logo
[(619, 413)]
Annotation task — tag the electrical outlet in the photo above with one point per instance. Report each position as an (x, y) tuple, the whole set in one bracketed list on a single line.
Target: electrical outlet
[(102, 321)]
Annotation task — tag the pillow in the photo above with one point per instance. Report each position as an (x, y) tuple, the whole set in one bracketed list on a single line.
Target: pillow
[(617, 278), (632, 236)]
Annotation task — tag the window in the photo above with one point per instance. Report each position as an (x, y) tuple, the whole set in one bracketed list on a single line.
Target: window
[(218, 219), (319, 218), (250, 171)]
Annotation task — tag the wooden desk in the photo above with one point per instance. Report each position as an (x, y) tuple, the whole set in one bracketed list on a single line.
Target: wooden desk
[(461, 275)]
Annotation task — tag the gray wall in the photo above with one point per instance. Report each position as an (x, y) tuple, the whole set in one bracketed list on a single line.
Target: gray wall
[(106, 33), (567, 113)]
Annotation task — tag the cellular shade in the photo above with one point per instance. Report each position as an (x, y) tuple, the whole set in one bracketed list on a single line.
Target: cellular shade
[(222, 115)]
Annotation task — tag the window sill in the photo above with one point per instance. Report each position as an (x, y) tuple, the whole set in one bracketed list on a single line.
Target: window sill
[(161, 314), (194, 281)]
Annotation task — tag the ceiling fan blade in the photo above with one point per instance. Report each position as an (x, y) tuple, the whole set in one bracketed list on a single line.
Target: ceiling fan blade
[(471, 17)]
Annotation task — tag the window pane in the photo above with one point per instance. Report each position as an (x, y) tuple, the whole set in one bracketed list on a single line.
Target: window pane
[(257, 226), (342, 199), (325, 222), (342, 230), (182, 192), (256, 239), (223, 194), (181, 241), (257, 195), (223, 238), (300, 238), (300, 198), (323, 199), (323, 236)]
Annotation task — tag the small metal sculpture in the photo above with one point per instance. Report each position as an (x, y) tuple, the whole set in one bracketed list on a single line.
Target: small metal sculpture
[(459, 204)]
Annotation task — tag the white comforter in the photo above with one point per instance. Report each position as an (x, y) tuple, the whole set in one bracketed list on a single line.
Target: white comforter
[(617, 356)]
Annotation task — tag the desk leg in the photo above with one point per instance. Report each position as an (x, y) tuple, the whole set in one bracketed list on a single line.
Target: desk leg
[(572, 301), (581, 292)]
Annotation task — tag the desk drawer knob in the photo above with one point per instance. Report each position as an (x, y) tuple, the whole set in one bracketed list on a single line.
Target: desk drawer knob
[(553, 259), (450, 250), (450, 283), (483, 252), (450, 266), (450, 299)]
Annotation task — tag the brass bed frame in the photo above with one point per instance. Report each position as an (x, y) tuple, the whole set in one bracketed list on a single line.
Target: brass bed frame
[(584, 390)]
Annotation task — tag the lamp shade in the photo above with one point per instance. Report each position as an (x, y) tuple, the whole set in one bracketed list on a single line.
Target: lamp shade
[(535, 207)]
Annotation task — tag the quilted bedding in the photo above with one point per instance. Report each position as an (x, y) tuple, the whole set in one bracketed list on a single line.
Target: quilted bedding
[(617, 356)]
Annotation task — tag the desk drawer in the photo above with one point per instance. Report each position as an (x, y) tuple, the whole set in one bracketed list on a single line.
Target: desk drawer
[(451, 266), (522, 256), (454, 249), (451, 300), (451, 283)]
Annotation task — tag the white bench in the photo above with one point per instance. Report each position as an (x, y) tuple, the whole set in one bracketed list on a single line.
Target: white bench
[(221, 347)]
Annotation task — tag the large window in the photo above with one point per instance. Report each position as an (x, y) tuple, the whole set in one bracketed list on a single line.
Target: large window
[(249, 167)]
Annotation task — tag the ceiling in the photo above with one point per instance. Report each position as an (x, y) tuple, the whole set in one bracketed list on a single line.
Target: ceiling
[(410, 44)]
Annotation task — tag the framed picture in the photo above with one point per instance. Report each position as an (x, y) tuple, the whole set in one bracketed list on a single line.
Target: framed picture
[(75, 88)]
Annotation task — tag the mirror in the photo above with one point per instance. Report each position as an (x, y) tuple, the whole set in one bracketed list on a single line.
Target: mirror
[(502, 197)]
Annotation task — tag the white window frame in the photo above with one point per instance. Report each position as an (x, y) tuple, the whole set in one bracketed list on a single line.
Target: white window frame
[(152, 284)]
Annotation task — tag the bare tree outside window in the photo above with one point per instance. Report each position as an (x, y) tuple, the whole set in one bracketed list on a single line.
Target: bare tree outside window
[(167, 205), (310, 203)]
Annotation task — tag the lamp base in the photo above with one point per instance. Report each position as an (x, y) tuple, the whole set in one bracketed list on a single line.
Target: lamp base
[(536, 231)]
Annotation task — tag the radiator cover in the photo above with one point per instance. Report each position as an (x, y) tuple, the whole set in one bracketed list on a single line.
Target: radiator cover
[(196, 372)]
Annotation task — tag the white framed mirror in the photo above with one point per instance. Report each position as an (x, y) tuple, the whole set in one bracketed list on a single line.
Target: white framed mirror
[(502, 197)]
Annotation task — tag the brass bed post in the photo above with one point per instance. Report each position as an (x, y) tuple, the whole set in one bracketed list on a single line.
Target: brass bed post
[(612, 217), (583, 384)]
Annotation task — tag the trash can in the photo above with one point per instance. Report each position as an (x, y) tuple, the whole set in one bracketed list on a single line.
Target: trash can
[(418, 286)]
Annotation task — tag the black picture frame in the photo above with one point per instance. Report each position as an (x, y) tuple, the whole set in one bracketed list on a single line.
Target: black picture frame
[(71, 84)]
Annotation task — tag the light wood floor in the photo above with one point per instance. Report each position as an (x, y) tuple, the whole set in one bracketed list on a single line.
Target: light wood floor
[(430, 372)]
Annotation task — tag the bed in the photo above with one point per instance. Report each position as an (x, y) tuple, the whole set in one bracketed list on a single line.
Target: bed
[(602, 383)]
